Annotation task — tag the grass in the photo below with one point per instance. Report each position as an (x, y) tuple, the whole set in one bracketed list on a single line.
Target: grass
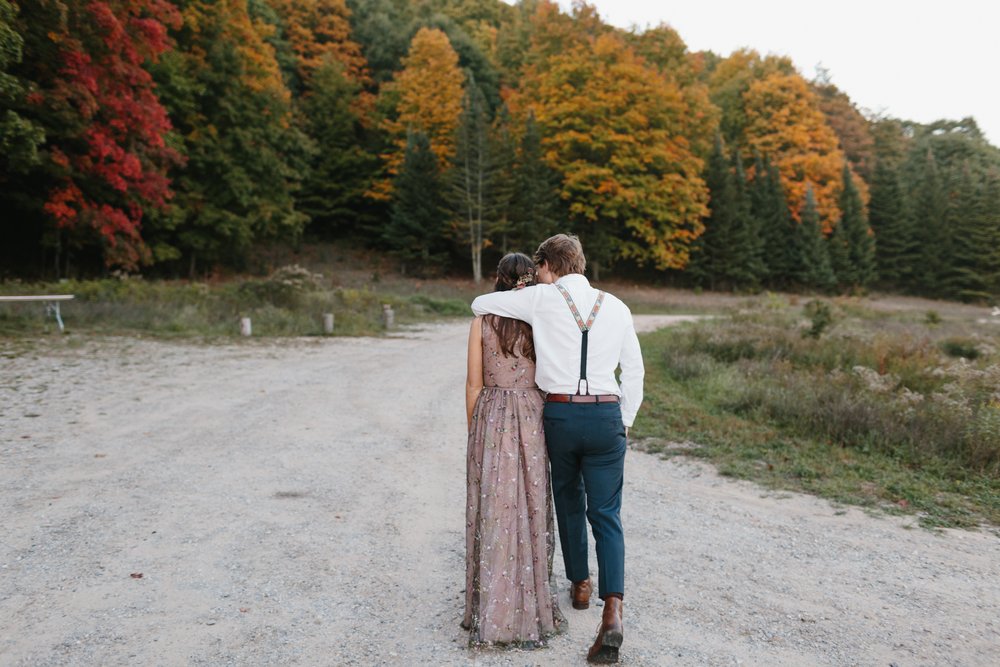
[(290, 302), (888, 411)]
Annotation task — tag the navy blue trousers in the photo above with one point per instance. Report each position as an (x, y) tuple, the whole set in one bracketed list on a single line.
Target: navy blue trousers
[(586, 444)]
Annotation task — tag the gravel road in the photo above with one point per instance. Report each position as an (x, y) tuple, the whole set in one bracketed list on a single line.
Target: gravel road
[(301, 502)]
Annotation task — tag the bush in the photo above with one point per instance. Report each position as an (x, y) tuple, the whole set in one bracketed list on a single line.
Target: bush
[(820, 315), (960, 348)]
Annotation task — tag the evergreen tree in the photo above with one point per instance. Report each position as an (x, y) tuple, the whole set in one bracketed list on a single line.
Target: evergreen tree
[(852, 251), (890, 221), (535, 210), (726, 254), (415, 231), (966, 263), (779, 239), (991, 223), (813, 269), (748, 238), (930, 209), (341, 170)]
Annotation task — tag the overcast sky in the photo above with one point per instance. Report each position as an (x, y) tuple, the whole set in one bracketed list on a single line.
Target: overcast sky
[(888, 55)]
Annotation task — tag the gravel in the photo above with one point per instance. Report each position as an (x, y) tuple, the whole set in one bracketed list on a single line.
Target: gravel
[(301, 502)]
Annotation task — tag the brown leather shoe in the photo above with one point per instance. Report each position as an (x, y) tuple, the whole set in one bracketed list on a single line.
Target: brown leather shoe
[(580, 594), (609, 635)]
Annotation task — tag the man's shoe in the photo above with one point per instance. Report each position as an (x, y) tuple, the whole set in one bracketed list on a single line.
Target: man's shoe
[(609, 635), (580, 594)]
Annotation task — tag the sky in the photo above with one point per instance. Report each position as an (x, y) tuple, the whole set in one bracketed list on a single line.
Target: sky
[(914, 60)]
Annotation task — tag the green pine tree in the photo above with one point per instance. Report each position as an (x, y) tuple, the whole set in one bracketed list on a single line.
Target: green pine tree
[(535, 210), (966, 263), (415, 233), (852, 250), (813, 269), (930, 209), (889, 217), (779, 237), (715, 256), (991, 223), (751, 267), (341, 170)]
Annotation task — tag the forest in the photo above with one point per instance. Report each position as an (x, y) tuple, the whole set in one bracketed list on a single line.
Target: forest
[(170, 139)]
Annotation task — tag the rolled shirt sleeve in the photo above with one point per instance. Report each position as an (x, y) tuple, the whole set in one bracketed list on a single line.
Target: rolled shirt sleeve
[(632, 374)]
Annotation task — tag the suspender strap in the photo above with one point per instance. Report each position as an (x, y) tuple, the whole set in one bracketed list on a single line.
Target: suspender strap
[(584, 330)]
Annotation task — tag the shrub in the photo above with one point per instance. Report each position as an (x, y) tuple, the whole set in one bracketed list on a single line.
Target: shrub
[(820, 315)]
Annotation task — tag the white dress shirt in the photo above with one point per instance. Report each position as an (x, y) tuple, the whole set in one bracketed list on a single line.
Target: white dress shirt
[(611, 341)]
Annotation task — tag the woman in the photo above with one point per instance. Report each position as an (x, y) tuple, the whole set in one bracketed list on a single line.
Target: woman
[(509, 598)]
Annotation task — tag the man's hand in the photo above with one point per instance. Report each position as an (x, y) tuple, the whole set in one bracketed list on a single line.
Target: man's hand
[(626, 431)]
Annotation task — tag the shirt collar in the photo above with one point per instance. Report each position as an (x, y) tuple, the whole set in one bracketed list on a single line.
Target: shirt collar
[(573, 279)]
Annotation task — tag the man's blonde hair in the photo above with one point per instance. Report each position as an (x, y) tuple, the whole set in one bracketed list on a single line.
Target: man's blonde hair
[(563, 253)]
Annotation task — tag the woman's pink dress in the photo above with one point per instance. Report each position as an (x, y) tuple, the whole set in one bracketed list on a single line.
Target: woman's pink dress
[(509, 594)]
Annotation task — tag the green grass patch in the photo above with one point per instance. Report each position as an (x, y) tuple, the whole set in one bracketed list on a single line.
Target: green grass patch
[(875, 410)]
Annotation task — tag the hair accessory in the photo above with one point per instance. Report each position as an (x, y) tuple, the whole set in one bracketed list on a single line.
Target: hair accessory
[(525, 280)]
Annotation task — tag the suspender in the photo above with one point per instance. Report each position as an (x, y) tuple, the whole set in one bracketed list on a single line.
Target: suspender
[(584, 330)]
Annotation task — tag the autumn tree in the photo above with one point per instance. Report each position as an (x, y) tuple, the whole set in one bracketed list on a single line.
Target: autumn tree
[(784, 122), (319, 31), (608, 123), (105, 161), (245, 154), (852, 129), (425, 97), (663, 48), (730, 79)]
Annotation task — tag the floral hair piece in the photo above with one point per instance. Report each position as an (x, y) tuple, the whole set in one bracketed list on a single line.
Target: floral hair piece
[(524, 280)]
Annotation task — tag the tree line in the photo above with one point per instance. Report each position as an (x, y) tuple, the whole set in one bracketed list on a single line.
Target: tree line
[(171, 137)]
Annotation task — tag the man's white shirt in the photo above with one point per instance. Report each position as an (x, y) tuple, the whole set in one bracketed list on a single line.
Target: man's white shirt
[(611, 341)]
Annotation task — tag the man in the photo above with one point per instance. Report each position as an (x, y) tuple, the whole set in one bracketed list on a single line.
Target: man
[(587, 416)]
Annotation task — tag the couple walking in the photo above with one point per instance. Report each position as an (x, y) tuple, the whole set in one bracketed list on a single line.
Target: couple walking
[(541, 392)]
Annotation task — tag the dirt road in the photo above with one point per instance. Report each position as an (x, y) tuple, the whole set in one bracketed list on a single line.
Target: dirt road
[(301, 502)]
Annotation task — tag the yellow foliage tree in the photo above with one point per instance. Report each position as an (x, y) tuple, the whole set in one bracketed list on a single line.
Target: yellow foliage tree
[(426, 95), (614, 128), (784, 122)]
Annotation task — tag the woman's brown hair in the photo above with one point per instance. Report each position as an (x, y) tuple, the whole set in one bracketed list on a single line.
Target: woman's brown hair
[(514, 271)]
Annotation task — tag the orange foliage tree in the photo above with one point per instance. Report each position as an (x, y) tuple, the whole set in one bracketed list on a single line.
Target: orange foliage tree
[(784, 122), (615, 130), (425, 96), (321, 29)]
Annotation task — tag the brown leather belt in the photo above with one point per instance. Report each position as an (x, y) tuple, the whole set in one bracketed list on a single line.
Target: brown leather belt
[(581, 398)]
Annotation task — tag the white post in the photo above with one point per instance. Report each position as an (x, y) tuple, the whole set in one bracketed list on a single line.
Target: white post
[(245, 328), (388, 317), (328, 323)]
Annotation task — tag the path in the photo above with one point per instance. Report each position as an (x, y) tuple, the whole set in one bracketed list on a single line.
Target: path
[(301, 502)]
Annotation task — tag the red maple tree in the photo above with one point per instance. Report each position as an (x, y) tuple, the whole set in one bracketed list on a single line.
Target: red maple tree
[(115, 167)]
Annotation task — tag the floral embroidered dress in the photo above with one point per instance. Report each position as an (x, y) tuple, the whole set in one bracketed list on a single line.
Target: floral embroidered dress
[(509, 591)]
